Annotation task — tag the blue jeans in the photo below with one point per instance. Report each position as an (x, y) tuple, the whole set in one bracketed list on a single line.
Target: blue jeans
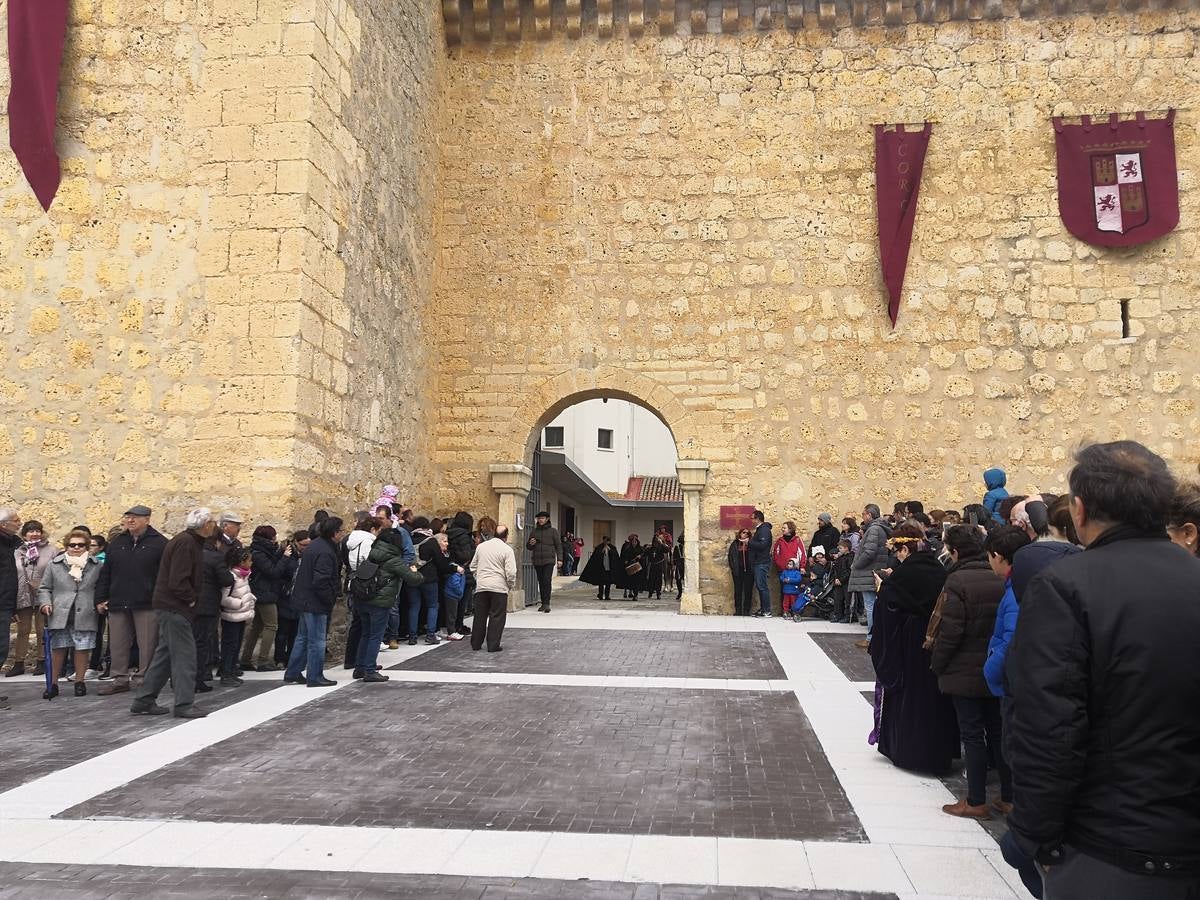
[(869, 598), (762, 575), (426, 595), (392, 630), (374, 620), (309, 650)]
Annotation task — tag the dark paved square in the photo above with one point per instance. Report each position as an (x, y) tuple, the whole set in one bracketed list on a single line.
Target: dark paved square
[(556, 651), (515, 758), (854, 662), (39, 736), (23, 880)]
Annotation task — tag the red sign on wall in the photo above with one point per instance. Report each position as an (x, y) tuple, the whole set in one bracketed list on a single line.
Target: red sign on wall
[(735, 518)]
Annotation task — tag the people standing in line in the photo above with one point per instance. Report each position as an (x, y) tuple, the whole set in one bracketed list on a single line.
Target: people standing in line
[(789, 547), (1002, 546), (237, 608), (1183, 521), (397, 616), (461, 550), (125, 591), (958, 648), (215, 578), (495, 568), (269, 566), (392, 550), (229, 527), (873, 555), (1045, 548), (313, 597), (544, 545), (176, 592), (760, 562), (289, 619), (1101, 722), (67, 598), (827, 535), (790, 580), (678, 563), (33, 555), (357, 550), (602, 568), (916, 727), (100, 662), (435, 567), (841, 579), (656, 559), (10, 586), (742, 573)]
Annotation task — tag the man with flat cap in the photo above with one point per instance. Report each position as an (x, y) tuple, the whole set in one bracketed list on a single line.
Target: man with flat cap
[(124, 590), (545, 549)]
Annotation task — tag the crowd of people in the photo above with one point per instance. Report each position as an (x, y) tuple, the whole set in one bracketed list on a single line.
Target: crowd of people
[(996, 639), (136, 609), (637, 568)]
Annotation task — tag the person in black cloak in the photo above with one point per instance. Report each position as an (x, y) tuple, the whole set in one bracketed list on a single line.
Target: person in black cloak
[(915, 724), (657, 557), (602, 569), (632, 551)]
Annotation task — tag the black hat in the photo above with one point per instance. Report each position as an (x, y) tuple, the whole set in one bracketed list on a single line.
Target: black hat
[(138, 510), (542, 514)]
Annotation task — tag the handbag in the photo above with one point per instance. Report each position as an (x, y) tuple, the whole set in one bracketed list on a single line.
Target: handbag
[(633, 568), (935, 622)]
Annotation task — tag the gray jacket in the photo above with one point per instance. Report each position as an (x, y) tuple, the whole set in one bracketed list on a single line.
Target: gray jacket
[(60, 591), (872, 554), (548, 547)]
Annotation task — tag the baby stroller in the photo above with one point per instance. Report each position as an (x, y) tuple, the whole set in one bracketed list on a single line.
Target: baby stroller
[(815, 601)]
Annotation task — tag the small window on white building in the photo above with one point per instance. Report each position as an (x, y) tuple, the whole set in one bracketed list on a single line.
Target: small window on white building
[(554, 436), (604, 438)]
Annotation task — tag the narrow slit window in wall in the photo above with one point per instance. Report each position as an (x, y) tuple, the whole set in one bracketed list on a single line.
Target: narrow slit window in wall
[(1124, 318)]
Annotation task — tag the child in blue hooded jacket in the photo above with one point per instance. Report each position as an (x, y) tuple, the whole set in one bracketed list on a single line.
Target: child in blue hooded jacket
[(994, 480)]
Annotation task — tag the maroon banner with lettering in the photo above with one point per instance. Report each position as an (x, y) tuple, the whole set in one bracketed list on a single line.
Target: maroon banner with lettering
[(1117, 181), (36, 31), (899, 161)]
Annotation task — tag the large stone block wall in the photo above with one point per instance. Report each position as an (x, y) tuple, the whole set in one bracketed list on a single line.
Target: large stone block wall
[(180, 328), (690, 222)]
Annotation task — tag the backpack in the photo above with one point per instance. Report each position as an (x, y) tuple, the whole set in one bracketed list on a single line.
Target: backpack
[(456, 586), (367, 582)]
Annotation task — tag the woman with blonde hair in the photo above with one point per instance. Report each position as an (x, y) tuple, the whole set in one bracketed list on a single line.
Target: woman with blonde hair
[(67, 597)]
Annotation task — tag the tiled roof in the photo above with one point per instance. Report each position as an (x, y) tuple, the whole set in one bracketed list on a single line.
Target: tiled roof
[(654, 488)]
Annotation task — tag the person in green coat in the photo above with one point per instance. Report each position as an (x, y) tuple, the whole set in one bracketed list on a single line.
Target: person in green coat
[(393, 554)]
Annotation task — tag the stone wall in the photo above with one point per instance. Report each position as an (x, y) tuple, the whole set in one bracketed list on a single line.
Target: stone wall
[(179, 328), (690, 222)]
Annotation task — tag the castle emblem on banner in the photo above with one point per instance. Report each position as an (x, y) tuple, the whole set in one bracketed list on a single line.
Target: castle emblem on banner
[(1117, 182)]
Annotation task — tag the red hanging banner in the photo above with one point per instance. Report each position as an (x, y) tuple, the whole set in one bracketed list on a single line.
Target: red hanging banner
[(1117, 182), (36, 32), (899, 161)]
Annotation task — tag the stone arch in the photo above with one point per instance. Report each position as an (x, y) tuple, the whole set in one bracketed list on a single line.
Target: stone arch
[(555, 394)]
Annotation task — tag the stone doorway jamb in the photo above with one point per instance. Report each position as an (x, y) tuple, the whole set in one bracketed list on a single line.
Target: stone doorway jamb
[(513, 483), (693, 475)]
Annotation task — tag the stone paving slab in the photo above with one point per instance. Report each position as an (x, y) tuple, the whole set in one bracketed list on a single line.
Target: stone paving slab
[(41, 736), (515, 758), (854, 662), (569, 651), (21, 881)]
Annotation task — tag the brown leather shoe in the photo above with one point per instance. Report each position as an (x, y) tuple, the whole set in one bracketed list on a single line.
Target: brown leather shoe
[(113, 687), (965, 811), (862, 645), (1002, 807)]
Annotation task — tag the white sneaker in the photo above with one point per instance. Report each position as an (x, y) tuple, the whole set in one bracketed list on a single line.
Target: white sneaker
[(767, 614), (454, 636), (384, 646), (91, 673)]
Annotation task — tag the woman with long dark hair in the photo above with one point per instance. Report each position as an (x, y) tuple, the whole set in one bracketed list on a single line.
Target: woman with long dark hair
[(741, 572)]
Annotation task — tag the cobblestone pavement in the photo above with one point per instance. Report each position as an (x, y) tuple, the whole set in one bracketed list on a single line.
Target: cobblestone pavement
[(520, 758), (596, 652), (854, 662), (70, 729), (20, 881)]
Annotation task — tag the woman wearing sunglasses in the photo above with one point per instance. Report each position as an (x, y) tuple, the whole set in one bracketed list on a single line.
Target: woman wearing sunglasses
[(67, 597)]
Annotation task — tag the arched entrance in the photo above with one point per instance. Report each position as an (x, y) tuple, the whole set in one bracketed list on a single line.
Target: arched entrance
[(518, 482)]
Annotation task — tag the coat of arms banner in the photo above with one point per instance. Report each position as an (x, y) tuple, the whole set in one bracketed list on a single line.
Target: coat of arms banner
[(899, 162), (1117, 183)]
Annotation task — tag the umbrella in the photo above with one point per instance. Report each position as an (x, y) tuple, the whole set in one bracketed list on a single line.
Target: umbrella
[(49, 661)]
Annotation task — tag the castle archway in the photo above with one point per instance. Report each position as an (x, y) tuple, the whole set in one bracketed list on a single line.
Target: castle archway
[(517, 478)]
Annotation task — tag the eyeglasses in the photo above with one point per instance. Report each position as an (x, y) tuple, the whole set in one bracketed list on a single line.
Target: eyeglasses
[(76, 546)]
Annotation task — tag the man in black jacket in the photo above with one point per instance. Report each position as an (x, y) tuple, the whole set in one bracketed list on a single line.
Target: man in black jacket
[(10, 540), (760, 562), (1102, 722), (545, 547), (125, 589), (826, 536)]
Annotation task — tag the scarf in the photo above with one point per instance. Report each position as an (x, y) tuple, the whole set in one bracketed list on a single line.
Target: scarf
[(76, 564), (241, 572), (32, 552)]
